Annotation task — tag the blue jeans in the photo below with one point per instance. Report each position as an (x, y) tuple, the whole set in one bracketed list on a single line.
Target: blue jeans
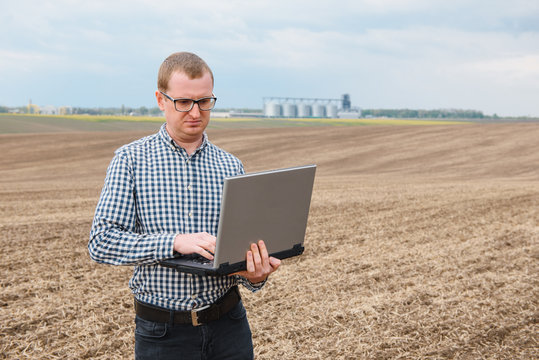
[(227, 338)]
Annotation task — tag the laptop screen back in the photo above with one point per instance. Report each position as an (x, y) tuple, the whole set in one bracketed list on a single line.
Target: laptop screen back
[(272, 206)]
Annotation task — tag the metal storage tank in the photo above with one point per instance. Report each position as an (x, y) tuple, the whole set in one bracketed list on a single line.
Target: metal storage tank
[(331, 111), (319, 110), (290, 110), (304, 110), (273, 109)]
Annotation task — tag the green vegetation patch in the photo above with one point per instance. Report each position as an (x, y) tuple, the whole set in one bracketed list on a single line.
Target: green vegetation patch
[(24, 123)]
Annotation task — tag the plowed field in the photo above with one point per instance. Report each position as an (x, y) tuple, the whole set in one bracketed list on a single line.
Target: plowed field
[(422, 243)]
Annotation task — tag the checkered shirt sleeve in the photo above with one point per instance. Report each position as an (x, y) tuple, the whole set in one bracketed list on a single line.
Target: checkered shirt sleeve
[(153, 191)]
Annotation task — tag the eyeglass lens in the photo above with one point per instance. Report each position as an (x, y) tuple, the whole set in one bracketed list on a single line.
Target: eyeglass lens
[(187, 104)]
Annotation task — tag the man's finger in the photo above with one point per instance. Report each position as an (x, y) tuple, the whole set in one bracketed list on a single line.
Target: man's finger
[(263, 252), (205, 253), (210, 248), (256, 256), (209, 239), (250, 262), (274, 263)]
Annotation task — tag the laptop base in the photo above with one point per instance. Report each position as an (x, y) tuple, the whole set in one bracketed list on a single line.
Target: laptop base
[(180, 263)]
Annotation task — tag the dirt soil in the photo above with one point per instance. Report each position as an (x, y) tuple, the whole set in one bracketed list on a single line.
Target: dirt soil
[(422, 243)]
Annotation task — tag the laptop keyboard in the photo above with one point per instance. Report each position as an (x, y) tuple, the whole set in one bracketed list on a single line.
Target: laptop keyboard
[(194, 258), (202, 260)]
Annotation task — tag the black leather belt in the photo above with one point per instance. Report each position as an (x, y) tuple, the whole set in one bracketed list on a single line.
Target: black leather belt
[(195, 317)]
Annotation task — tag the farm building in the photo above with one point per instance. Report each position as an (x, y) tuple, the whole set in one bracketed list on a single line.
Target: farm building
[(290, 107)]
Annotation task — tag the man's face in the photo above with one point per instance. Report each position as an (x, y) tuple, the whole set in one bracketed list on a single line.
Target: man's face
[(186, 127)]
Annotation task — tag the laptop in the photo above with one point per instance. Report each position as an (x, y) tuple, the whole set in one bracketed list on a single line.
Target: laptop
[(270, 205)]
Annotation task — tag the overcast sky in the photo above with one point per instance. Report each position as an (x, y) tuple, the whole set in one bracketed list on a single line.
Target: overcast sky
[(420, 54)]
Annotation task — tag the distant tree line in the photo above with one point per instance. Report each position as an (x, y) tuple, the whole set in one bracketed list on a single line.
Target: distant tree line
[(124, 110), (390, 113), (140, 111), (424, 114)]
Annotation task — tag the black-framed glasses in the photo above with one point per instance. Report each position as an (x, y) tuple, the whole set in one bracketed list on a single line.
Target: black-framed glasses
[(185, 105)]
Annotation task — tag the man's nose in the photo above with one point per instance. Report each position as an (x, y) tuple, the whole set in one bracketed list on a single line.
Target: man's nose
[(195, 111)]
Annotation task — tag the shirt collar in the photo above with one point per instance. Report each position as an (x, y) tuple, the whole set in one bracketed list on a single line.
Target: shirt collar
[(163, 133)]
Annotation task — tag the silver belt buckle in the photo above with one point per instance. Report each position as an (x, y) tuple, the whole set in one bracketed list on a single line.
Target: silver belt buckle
[(194, 315)]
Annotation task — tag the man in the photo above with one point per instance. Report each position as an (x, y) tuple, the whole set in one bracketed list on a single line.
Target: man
[(162, 195)]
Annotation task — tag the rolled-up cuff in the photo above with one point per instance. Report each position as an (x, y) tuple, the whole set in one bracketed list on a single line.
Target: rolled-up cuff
[(249, 285)]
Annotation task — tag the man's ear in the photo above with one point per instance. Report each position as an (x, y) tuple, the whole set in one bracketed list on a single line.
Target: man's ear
[(160, 100)]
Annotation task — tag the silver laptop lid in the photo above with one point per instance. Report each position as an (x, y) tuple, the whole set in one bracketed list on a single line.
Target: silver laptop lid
[(271, 205)]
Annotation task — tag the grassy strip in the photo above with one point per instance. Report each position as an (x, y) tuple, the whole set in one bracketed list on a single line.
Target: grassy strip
[(92, 118), (378, 121), (265, 121)]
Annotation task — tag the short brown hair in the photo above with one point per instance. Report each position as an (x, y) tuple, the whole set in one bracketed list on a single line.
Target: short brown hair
[(188, 63)]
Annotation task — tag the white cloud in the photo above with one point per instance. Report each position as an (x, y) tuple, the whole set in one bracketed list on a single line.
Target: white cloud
[(507, 71), (376, 48), (26, 61)]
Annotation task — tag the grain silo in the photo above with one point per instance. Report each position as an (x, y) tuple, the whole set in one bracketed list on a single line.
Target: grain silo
[(319, 111), (304, 110), (290, 110), (332, 111), (273, 109)]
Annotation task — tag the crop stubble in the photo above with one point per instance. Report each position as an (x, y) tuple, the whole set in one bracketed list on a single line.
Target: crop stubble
[(422, 243)]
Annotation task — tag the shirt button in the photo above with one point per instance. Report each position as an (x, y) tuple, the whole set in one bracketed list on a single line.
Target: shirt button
[(193, 296), (188, 187), (190, 214)]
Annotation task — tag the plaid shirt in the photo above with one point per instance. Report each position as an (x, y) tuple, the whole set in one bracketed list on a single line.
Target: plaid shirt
[(153, 191)]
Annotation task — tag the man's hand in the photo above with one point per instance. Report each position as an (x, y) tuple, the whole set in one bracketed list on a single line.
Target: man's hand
[(259, 264), (198, 243)]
